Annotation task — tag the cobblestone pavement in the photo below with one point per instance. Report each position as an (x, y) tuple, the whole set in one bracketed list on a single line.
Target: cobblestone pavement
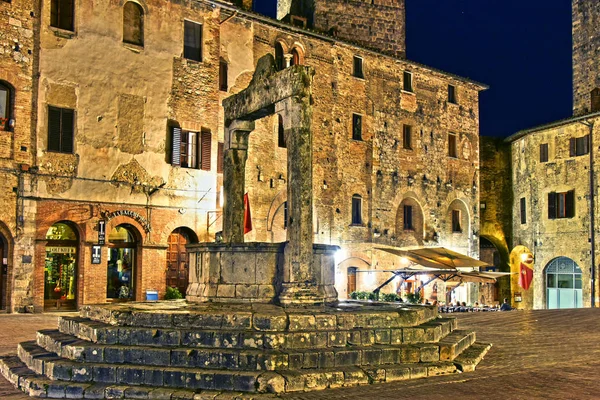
[(546, 354)]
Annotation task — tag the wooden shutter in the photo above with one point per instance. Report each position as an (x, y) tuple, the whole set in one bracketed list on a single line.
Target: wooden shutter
[(586, 144), (570, 204), (176, 147), (220, 157), (551, 205), (572, 147), (205, 146), (53, 129), (67, 128)]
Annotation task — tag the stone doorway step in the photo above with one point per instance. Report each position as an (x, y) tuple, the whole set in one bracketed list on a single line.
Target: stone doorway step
[(176, 350)]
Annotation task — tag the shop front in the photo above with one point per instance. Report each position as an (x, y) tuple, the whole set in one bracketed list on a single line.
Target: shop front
[(121, 264), (60, 268)]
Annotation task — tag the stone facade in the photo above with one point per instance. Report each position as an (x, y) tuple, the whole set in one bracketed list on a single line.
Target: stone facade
[(586, 45), (130, 100)]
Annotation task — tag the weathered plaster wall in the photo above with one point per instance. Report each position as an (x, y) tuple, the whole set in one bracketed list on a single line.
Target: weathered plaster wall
[(586, 45), (533, 180)]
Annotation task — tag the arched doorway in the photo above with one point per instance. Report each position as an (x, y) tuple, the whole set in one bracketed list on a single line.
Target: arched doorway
[(60, 268), (563, 284), (351, 280), (177, 259), (121, 264)]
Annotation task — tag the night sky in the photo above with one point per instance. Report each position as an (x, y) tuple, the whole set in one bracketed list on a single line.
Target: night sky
[(520, 48)]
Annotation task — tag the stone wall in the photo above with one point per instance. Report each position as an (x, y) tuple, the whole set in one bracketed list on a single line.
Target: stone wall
[(544, 237), (586, 45), (378, 24), (18, 52), (496, 201)]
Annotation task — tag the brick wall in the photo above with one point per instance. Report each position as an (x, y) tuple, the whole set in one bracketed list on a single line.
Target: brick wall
[(586, 45)]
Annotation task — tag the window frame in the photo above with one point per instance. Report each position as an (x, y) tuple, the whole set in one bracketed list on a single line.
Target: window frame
[(356, 210), (456, 221), (9, 115), (561, 205), (189, 149), (140, 21), (357, 127), (55, 15), (358, 61), (186, 53), (61, 133), (452, 98), (407, 133), (543, 152), (452, 145), (407, 81)]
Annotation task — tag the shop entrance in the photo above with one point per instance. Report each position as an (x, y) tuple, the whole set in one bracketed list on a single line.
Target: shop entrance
[(177, 259), (122, 246), (563, 284), (60, 269)]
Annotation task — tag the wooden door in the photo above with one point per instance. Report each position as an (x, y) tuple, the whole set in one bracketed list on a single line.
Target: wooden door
[(177, 264), (351, 280)]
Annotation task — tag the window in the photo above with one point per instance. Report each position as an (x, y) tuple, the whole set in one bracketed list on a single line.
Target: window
[(187, 147), (356, 210), (223, 85), (5, 106), (456, 228), (358, 67), (280, 133), (451, 94), (285, 215), (192, 41), (220, 157), (595, 98), (408, 81), (452, 145), (133, 23), (407, 137), (356, 126), (579, 146), (544, 152), (61, 122), (408, 218), (561, 205), (295, 57), (279, 58), (523, 211), (61, 14)]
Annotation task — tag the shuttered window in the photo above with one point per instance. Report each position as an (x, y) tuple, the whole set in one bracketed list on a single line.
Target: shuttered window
[(61, 14), (579, 146), (189, 150), (544, 152), (61, 123), (192, 41), (561, 205), (176, 147), (220, 157), (206, 150)]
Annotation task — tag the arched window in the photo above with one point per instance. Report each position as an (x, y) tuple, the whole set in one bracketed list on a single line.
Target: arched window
[(296, 57), (356, 210), (133, 23), (563, 284), (409, 220), (6, 106), (280, 132), (279, 58)]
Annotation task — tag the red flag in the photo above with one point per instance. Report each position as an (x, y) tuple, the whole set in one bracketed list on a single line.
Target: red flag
[(247, 215), (525, 276)]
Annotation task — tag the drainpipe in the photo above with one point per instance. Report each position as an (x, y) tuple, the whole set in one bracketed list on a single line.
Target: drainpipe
[(590, 126)]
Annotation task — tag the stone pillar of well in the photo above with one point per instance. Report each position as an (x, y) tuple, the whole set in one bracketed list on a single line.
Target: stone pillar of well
[(234, 179)]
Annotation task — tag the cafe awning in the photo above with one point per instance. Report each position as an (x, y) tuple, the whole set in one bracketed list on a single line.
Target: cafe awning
[(436, 257)]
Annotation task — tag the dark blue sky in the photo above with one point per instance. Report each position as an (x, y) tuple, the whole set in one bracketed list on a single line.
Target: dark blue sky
[(520, 48)]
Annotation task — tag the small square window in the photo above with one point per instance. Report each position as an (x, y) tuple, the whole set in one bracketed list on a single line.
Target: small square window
[(452, 145), (407, 81), (451, 94), (356, 126), (407, 137), (358, 68)]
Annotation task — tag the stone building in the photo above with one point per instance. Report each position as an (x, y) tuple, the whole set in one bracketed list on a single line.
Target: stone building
[(123, 142), (555, 188)]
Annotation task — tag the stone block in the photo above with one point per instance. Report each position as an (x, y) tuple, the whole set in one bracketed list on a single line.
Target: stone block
[(344, 358), (104, 374), (114, 355), (382, 336), (224, 290), (396, 336), (367, 337), (82, 373), (247, 360), (238, 320), (130, 375), (413, 335), (371, 356), (316, 381), (75, 391), (429, 353), (252, 340), (346, 322), (153, 377), (409, 354), (160, 394), (336, 339), (269, 322), (354, 338), (115, 392), (246, 291), (320, 339), (138, 393), (96, 391), (266, 292), (224, 381), (440, 369), (93, 354), (295, 360), (174, 378), (200, 380), (197, 338), (294, 381), (325, 322), (134, 355), (270, 382), (275, 340), (326, 359), (301, 341), (272, 361), (311, 360), (229, 360), (355, 376), (397, 373), (245, 382), (157, 356), (301, 322), (418, 371), (390, 355), (56, 390), (335, 379), (265, 268)]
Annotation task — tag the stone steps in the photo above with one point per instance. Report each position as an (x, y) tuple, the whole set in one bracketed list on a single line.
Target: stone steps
[(471, 357), (239, 359), (102, 333)]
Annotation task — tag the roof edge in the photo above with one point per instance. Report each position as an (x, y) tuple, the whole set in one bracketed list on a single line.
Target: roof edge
[(550, 125)]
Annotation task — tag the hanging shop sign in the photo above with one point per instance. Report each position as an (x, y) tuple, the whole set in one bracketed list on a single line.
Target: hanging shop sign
[(96, 254), (131, 214), (101, 232)]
